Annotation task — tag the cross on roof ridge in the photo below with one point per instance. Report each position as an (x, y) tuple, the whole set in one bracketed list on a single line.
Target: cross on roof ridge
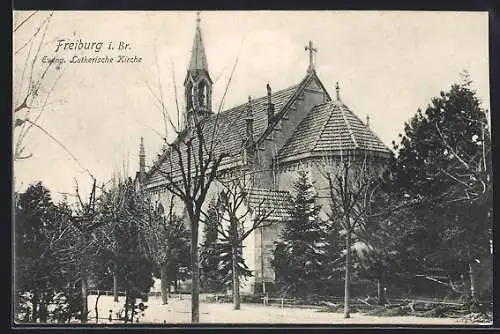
[(311, 50)]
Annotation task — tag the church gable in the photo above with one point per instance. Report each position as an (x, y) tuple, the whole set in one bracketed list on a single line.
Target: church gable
[(309, 92), (315, 85)]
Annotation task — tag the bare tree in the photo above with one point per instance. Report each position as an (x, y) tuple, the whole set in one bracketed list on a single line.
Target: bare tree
[(349, 184), (193, 160), (111, 207), (165, 236), (193, 165), (34, 80), (235, 211), (86, 222)]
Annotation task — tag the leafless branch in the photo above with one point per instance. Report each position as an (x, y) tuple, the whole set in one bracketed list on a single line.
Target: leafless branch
[(25, 20), (61, 145)]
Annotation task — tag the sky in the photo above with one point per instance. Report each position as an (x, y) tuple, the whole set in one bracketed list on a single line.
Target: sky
[(388, 65)]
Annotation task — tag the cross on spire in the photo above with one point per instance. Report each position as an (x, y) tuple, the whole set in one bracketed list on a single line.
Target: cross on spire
[(311, 50), (198, 57)]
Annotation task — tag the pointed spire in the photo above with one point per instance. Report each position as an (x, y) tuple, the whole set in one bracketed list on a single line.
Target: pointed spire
[(249, 120), (249, 108), (270, 104), (198, 56), (337, 90), (142, 152), (142, 157)]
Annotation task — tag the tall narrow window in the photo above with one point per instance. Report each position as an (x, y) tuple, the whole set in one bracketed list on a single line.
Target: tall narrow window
[(203, 94)]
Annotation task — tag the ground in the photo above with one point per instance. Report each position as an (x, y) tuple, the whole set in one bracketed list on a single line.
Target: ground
[(179, 311)]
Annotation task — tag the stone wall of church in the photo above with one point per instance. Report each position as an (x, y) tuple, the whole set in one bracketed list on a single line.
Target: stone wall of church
[(161, 195), (317, 170), (263, 240)]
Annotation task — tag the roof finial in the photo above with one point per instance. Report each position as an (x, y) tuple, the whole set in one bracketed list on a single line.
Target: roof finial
[(367, 121), (198, 18), (337, 90), (311, 50)]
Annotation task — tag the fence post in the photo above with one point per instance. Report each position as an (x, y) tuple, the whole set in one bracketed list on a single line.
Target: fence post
[(281, 302)]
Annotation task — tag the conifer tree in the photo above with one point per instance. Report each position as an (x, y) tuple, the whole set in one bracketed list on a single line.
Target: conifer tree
[(210, 252), (45, 267), (444, 161), (300, 257), (225, 266)]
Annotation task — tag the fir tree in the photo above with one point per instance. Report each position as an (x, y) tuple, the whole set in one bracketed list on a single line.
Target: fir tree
[(225, 265), (216, 253), (45, 264), (301, 257), (210, 252), (444, 161)]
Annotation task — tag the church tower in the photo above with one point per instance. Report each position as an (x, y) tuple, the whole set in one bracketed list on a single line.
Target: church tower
[(198, 84)]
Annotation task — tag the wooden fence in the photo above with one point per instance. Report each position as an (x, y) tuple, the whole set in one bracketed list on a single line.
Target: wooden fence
[(156, 294)]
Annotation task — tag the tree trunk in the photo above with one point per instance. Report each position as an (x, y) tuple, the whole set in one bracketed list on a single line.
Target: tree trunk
[(126, 306), (236, 280), (84, 282), (85, 310), (43, 308), (380, 292), (175, 283), (164, 283), (70, 301), (96, 308), (347, 286), (132, 311), (195, 274), (472, 280), (34, 302), (115, 287)]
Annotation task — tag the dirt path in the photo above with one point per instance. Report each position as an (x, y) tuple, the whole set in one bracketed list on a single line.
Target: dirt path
[(178, 311)]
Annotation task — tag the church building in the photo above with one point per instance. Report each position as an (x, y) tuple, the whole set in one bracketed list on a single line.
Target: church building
[(266, 140)]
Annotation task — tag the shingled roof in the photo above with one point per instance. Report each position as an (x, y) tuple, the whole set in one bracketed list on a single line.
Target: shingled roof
[(330, 128), (273, 202), (229, 133)]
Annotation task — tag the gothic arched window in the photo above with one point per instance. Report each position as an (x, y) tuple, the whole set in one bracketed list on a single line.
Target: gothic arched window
[(203, 93)]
